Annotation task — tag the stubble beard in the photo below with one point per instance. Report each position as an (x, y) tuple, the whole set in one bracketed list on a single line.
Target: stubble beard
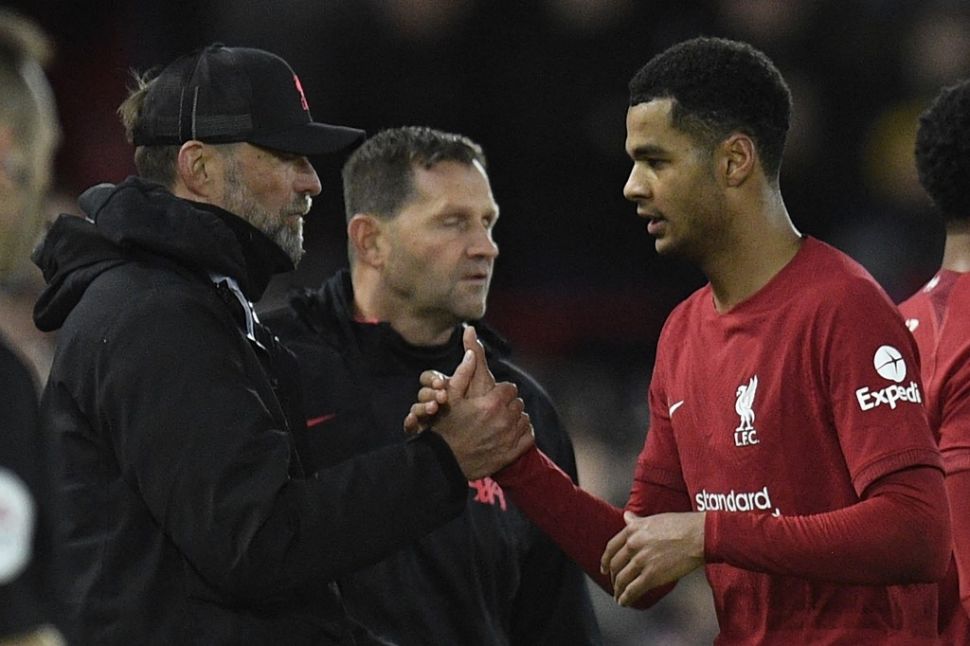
[(240, 201), (471, 305), (446, 308)]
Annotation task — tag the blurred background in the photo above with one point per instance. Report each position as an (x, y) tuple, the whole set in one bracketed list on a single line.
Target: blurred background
[(541, 84)]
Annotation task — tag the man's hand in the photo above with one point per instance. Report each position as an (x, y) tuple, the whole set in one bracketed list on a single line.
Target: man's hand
[(431, 397), (472, 375), (651, 551), (483, 422)]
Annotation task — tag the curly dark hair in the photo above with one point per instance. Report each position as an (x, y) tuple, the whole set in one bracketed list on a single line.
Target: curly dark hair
[(943, 151), (379, 176), (720, 86)]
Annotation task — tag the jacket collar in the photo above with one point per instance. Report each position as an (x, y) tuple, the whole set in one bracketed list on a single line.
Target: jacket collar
[(138, 218), (142, 214)]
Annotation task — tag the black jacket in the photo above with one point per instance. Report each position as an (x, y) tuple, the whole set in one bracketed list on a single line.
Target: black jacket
[(188, 516), (488, 577)]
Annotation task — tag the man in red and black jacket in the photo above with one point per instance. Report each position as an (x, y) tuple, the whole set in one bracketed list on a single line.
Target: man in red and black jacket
[(420, 221)]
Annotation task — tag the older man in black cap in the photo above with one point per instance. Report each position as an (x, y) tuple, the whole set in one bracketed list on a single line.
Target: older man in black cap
[(189, 519)]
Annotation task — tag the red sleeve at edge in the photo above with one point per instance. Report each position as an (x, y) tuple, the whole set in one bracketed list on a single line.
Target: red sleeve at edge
[(958, 491)]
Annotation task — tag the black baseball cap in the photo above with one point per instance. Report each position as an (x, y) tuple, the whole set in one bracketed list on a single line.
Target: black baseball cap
[(225, 94)]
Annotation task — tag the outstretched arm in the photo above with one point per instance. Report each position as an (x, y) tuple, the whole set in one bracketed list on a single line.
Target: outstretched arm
[(581, 523)]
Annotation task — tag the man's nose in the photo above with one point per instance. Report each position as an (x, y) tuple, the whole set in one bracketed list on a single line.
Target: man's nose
[(307, 181), (636, 186)]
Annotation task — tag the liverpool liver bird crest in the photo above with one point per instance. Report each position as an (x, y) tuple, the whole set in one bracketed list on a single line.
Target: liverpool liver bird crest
[(743, 406)]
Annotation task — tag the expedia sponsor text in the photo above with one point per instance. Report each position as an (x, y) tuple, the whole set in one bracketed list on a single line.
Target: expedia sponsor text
[(888, 395)]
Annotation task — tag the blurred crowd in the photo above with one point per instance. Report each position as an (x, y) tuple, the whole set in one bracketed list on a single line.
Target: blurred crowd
[(542, 85)]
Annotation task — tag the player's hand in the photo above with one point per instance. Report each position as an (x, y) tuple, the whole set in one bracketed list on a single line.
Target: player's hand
[(651, 551)]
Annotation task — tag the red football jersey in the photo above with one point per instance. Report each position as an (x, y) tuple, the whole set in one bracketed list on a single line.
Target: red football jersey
[(939, 318), (792, 403)]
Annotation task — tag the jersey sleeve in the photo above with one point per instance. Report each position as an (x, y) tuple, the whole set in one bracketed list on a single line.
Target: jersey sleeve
[(552, 604), (899, 533), (953, 365), (579, 522), (869, 369)]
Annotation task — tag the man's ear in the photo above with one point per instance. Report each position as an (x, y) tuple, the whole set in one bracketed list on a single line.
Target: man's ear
[(365, 234), (738, 159), (196, 165)]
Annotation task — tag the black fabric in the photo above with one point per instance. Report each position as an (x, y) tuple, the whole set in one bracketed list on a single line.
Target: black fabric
[(488, 577), (188, 518), (25, 596), (225, 94)]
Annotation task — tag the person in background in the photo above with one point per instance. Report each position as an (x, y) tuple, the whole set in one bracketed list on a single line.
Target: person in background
[(420, 223), (189, 517), (788, 451), (29, 135), (939, 318)]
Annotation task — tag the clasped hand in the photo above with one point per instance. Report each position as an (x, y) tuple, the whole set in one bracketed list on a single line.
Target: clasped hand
[(483, 422)]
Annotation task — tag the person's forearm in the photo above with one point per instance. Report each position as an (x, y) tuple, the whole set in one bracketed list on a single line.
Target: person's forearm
[(899, 533), (579, 522)]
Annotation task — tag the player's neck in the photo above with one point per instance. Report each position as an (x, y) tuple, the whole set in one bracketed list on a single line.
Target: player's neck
[(956, 252), (762, 246)]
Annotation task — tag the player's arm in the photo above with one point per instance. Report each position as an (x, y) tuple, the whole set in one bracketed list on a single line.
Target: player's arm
[(958, 491), (579, 522), (898, 533), (552, 603), (954, 349)]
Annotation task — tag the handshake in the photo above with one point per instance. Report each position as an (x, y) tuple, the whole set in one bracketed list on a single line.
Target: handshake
[(483, 422)]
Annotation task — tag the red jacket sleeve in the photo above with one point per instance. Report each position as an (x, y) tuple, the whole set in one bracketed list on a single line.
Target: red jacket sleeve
[(898, 533)]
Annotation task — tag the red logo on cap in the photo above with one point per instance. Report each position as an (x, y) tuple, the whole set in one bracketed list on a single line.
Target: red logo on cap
[(299, 88)]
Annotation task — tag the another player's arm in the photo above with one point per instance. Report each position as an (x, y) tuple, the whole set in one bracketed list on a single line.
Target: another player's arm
[(955, 446), (958, 491)]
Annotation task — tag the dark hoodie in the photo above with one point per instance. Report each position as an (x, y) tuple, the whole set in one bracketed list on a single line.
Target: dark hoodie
[(188, 518), (487, 578)]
